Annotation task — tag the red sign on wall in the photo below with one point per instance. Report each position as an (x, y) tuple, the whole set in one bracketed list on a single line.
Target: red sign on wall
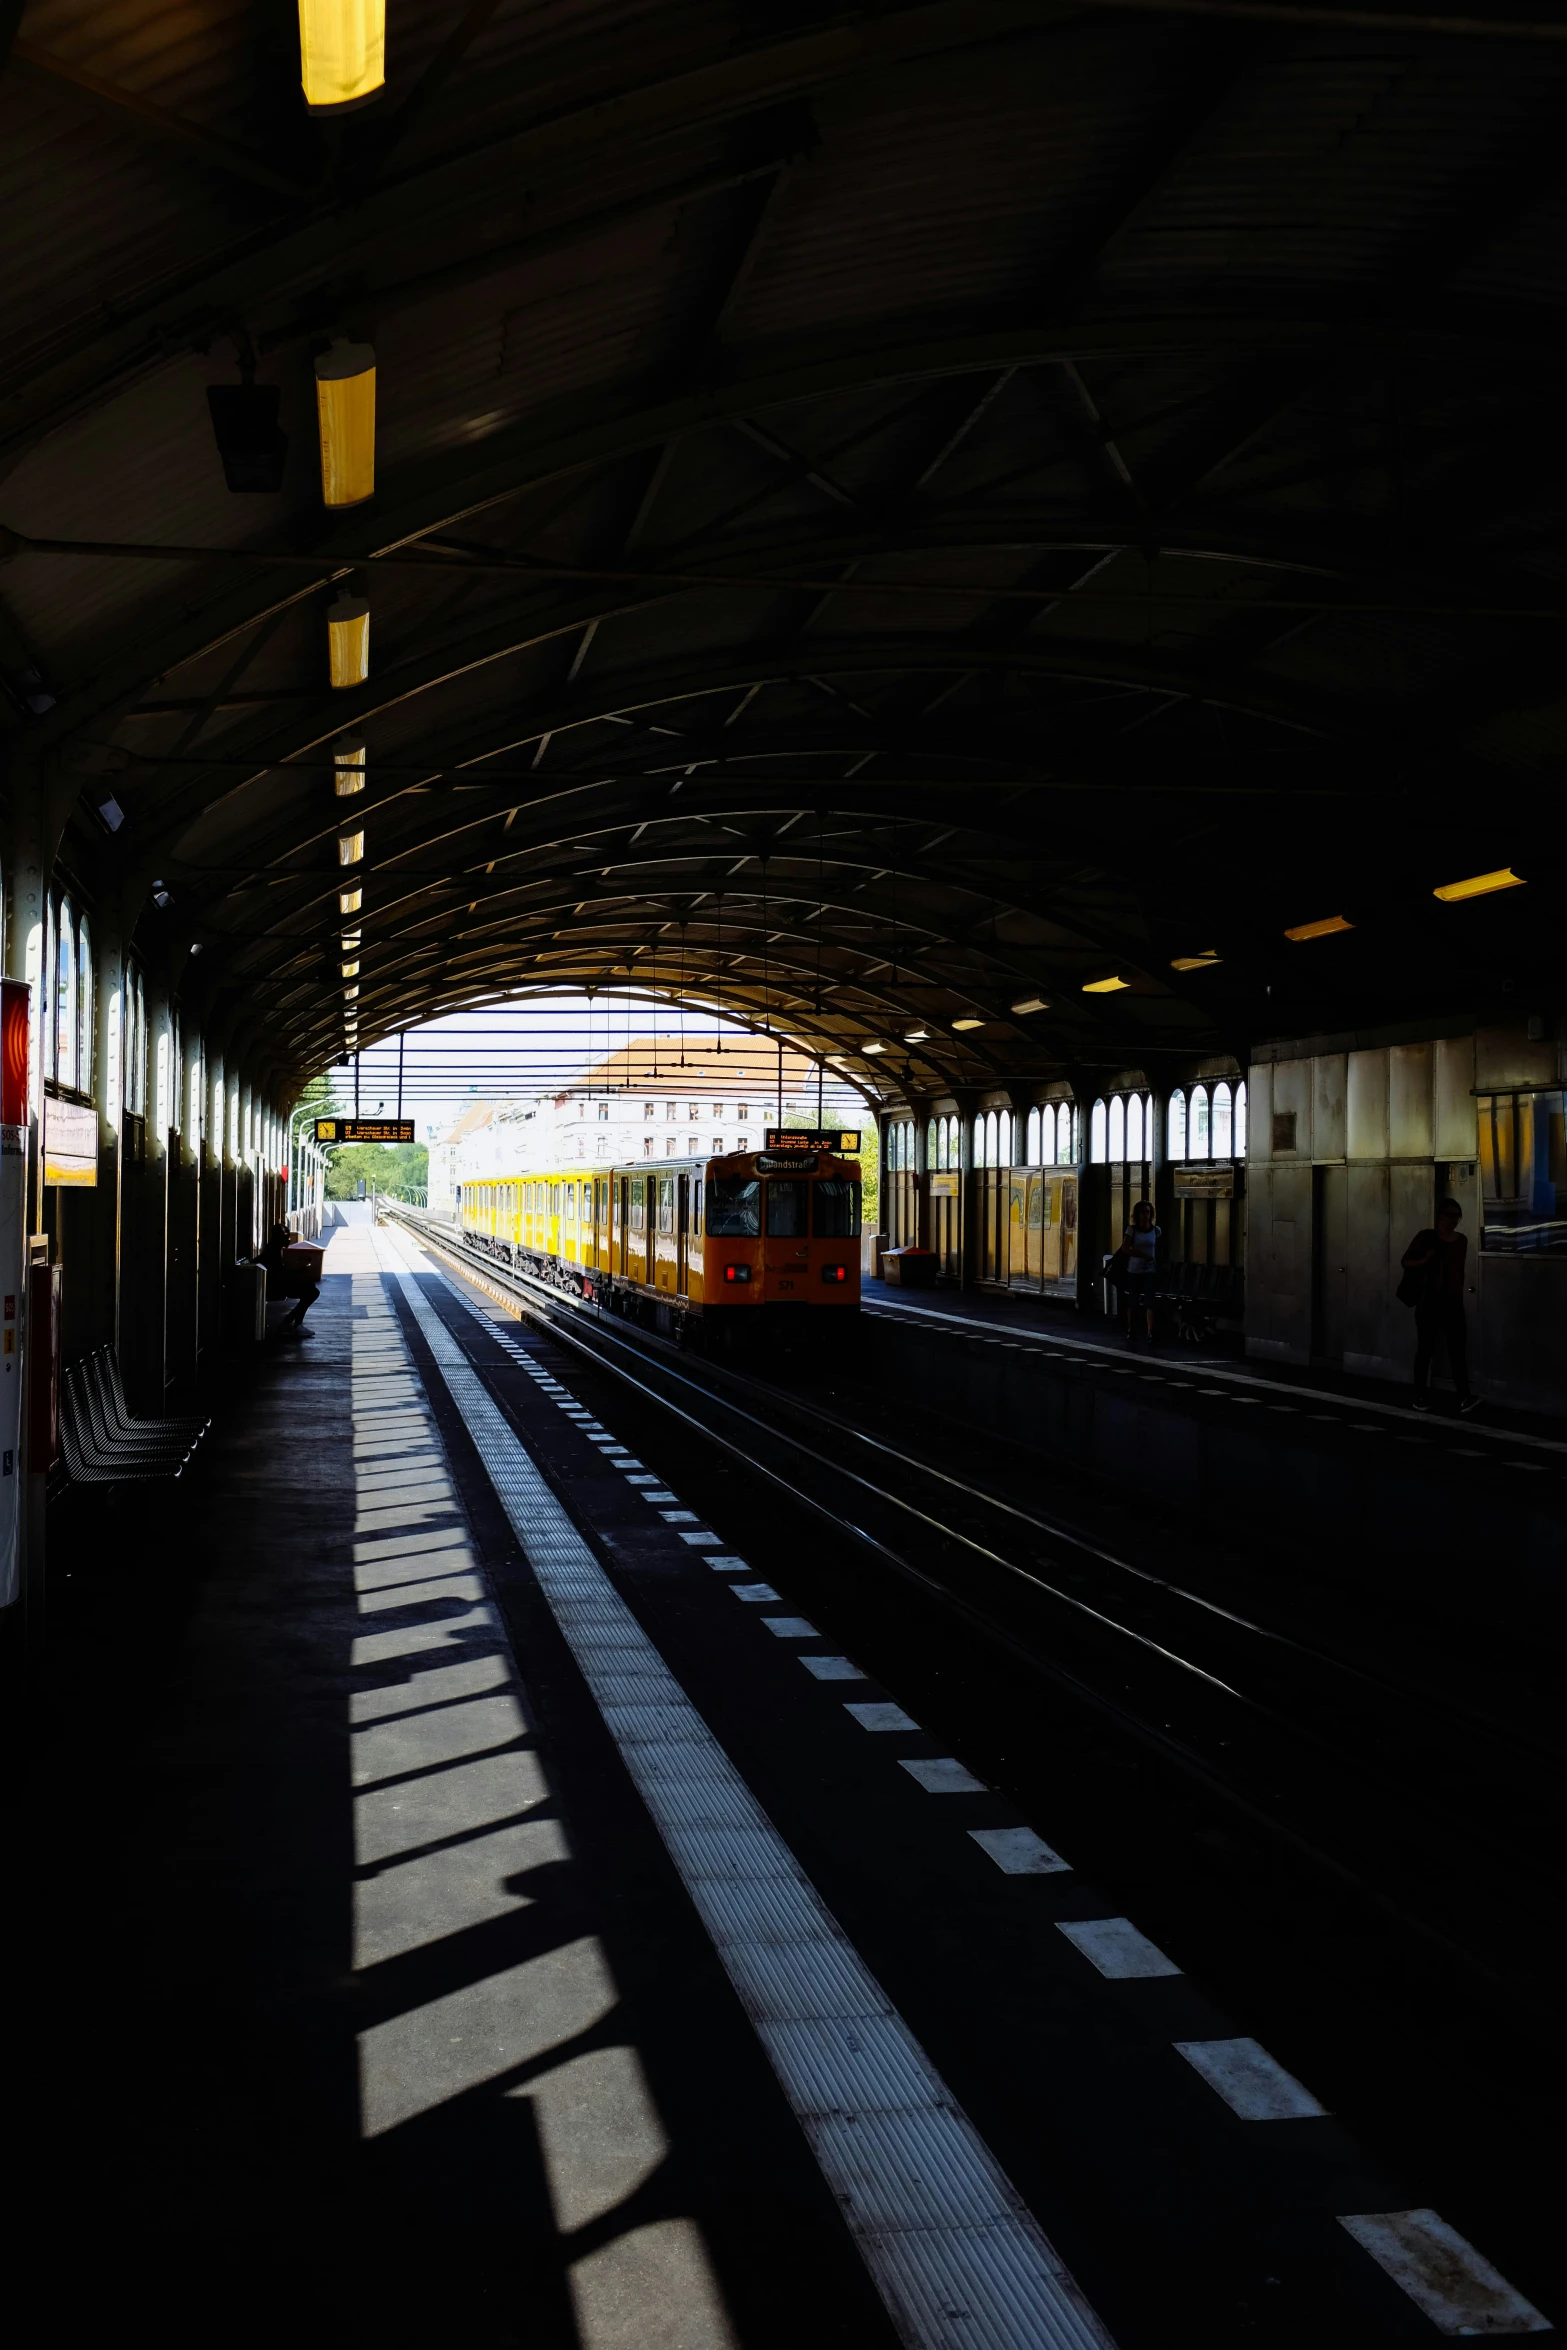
[(13, 1052)]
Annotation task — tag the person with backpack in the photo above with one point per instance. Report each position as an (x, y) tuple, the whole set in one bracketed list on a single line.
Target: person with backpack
[(1434, 1265)]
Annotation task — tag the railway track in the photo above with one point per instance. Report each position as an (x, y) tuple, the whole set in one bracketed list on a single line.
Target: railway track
[(1371, 1780)]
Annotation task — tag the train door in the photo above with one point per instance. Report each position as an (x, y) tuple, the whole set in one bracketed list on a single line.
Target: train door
[(786, 1223), (1034, 1226), (1330, 1263), (664, 1243), (682, 1235)]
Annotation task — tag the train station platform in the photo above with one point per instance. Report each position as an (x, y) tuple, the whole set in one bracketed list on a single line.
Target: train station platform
[(478, 1899), (1200, 1432)]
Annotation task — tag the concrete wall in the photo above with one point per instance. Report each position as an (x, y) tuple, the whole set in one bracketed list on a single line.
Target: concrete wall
[(1399, 1121)]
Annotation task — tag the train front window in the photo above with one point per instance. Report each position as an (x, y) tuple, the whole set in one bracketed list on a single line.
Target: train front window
[(734, 1208), (836, 1212), (788, 1208)]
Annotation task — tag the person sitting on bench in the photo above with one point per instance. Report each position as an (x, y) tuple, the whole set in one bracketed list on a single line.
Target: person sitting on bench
[(286, 1280)]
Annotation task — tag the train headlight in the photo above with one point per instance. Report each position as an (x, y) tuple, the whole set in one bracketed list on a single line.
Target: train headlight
[(835, 1272), (737, 1272)]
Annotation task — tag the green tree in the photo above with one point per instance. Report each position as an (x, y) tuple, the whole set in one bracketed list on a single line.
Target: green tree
[(381, 1166)]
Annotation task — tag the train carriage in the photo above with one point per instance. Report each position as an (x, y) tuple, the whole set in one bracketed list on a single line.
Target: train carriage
[(715, 1242)]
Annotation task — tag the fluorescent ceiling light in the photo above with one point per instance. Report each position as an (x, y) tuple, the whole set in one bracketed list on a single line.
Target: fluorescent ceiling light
[(1323, 929), (1480, 885), (960, 1024), (915, 1035), (342, 52), (350, 970), (345, 423), (1104, 986), (349, 901), (1194, 962), (350, 940), (1031, 1003), (350, 847), (348, 640), (350, 993), (874, 1046), (348, 769)]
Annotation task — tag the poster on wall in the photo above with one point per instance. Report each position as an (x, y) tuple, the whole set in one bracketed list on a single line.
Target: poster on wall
[(70, 1143)]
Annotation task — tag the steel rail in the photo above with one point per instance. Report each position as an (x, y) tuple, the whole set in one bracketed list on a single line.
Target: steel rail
[(545, 1302)]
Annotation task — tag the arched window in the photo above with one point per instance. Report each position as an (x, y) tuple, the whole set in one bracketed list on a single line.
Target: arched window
[(1047, 1135), (1031, 1140), (1197, 1138), (1134, 1126), (163, 1081), (176, 1084), (65, 997), (930, 1142), (1074, 1155), (1117, 1129), (86, 1009), (1176, 1124), (1096, 1134), (979, 1142), (1223, 1130), (990, 1139), (1004, 1139), (1240, 1119)]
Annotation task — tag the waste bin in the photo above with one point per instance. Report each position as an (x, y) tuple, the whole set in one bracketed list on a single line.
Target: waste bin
[(909, 1268)]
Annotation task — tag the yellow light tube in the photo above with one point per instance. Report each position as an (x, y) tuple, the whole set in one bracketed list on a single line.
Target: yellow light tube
[(349, 993), (350, 970), (1480, 885), (1104, 986), (962, 1024), (1323, 929), (350, 847), (1194, 962), (349, 901), (348, 769), (345, 420), (348, 640), (342, 52)]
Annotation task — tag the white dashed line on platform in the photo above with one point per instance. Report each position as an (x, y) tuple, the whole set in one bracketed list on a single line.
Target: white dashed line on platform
[(943, 2232), (1443, 2274), (1018, 1852), (756, 1591), (728, 1564), (882, 1717), (944, 1776), (832, 1668), (1116, 1948), (791, 1628), (1251, 2082)]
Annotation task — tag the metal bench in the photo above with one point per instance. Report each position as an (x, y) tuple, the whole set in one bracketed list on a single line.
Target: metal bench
[(102, 1442)]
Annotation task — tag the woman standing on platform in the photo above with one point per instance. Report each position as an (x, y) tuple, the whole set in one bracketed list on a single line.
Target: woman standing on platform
[(1140, 1249)]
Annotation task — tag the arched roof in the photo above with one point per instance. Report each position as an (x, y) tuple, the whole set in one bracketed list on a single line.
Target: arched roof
[(883, 515)]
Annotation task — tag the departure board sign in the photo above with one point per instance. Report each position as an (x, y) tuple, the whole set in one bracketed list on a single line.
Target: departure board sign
[(844, 1141), (364, 1130)]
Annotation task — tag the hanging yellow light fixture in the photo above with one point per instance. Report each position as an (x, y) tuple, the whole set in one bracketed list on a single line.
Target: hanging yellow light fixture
[(349, 901), (351, 846), (348, 769), (351, 970), (345, 418), (348, 640), (342, 52)]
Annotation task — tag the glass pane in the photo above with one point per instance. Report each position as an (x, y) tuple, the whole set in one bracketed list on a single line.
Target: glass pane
[(1222, 1123), (666, 1203), (1523, 1174), (1177, 1124), (930, 1142), (1004, 1139), (1117, 1129), (1198, 1135), (1134, 1127), (836, 1210), (1096, 1134), (1240, 1119), (734, 1208), (788, 1209), (979, 1142)]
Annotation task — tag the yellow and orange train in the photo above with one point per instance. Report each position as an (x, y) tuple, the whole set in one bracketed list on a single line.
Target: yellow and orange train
[(688, 1241)]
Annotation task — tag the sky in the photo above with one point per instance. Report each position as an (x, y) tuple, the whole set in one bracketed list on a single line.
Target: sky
[(508, 1051)]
